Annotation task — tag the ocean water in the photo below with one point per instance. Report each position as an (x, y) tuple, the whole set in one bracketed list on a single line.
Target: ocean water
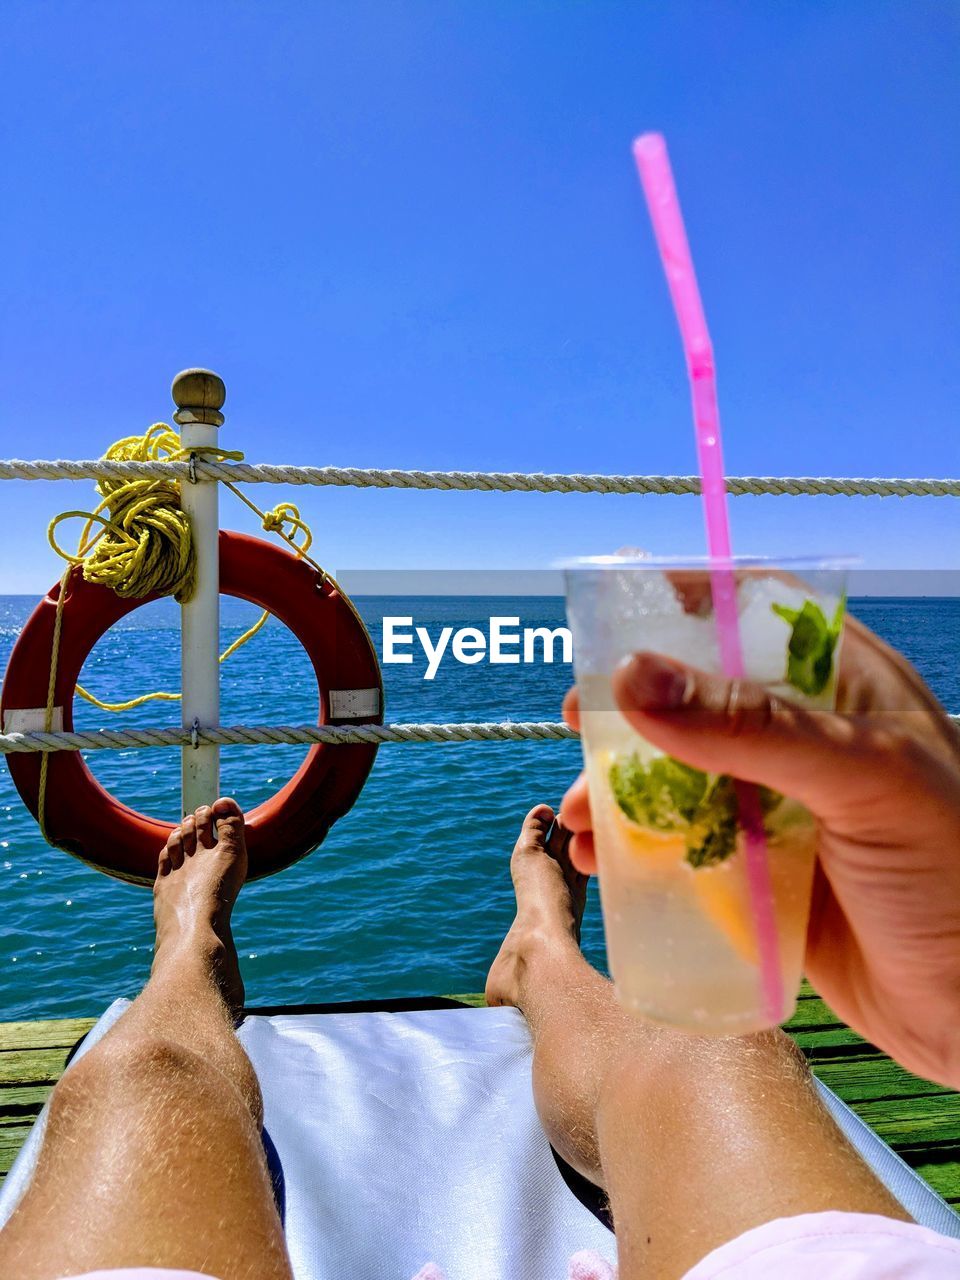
[(410, 894)]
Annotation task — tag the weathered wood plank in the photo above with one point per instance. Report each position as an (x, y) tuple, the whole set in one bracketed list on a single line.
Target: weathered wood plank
[(11, 1121), (23, 1099), (32, 1066), (812, 1012), (60, 1033), (11, 1140), (842, 1040), (943, 1176), (869, 1079), (914, 1122)]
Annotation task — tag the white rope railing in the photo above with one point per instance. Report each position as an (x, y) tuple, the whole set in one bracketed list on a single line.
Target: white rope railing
[(479, 481), (293, 735)]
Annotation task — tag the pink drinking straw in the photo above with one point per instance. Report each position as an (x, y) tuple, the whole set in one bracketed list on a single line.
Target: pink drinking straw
[(653, 164)]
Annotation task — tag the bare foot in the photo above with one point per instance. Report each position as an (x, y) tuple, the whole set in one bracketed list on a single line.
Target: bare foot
[(551, 895), (202, 869)]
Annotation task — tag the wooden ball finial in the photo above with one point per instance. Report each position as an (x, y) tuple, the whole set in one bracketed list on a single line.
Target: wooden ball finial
[(199, 396)]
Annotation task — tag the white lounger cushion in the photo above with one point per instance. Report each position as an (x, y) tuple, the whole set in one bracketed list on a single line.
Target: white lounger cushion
[(408, 1138)]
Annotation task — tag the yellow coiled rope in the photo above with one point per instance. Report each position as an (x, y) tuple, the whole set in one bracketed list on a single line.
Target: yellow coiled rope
[(144, 543)]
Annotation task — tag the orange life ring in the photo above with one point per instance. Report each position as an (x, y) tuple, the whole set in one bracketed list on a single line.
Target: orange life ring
[(83, 818)]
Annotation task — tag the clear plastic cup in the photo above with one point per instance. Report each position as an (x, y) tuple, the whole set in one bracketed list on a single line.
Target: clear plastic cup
[(682, 938)]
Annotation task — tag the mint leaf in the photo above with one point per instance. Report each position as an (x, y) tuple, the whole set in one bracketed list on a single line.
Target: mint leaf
[(663, 795), (667, 795), (785, 612), (769, 799), (712, 836), (709, 846), (811, 645), (675, 788), (628, 782), (836, 624)]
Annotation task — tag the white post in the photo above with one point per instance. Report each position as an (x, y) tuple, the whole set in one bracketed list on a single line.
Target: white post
[(199, 396)]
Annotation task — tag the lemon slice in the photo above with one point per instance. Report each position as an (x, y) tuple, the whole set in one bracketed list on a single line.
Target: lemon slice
[(724, 898)]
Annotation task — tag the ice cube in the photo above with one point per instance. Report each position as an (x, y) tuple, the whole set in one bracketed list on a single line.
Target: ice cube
[(656, 620), (764, 635)]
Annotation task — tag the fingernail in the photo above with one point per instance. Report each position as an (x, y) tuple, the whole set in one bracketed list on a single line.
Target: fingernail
[(655, 683)]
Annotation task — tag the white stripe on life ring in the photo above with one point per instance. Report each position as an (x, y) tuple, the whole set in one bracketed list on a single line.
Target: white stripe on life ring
[(354, 704), (32, 720)]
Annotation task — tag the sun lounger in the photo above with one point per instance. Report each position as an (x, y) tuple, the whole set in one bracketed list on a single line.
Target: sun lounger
[(406, 1134)]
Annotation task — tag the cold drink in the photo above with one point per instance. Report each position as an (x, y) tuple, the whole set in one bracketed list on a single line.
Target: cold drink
[(682, 939)]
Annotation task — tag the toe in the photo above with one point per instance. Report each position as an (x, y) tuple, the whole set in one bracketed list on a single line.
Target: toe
[(227, 807), (559, 844), (536, 825), (189, 837), (229, 818), (558, 839), (174, 848), (205, 831)]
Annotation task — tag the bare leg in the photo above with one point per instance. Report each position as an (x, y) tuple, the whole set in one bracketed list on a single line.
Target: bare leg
[(152, 1154), (694, 1140)]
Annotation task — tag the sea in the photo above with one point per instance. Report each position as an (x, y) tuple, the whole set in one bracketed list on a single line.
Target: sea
[(410, 893)]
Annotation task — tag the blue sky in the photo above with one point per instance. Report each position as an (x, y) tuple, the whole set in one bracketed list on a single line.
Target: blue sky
[(411, 235)]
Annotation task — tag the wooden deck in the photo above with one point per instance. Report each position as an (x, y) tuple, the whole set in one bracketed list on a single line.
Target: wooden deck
[(918, 1119)]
